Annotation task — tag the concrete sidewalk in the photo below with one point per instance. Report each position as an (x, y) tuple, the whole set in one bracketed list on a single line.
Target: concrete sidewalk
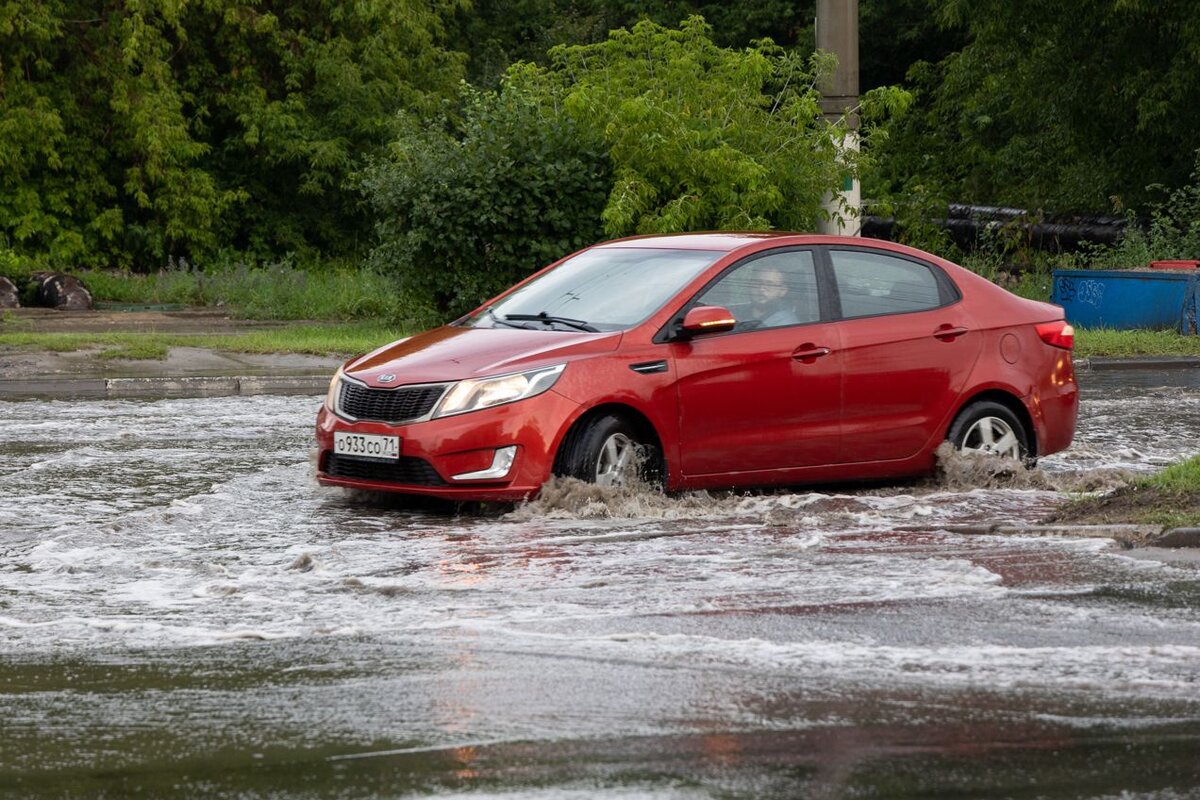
[(186, 372)]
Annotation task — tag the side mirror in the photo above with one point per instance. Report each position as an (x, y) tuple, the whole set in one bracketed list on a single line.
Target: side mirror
[(707, 319)]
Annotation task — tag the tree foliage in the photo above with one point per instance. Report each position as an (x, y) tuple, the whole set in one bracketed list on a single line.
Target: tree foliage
[(655, 130), (130, 131), (497, 33), (701, 136), (1070, 106)]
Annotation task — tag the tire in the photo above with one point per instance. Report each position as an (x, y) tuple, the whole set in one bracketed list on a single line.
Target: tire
[(607, 451), (988, 428)]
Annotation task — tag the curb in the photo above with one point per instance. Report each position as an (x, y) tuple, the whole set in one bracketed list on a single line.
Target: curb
[(1128, 536), (160, 388), (1140, 362)]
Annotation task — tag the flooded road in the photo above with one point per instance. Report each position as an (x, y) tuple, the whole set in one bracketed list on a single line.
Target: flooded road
[(185, 613)]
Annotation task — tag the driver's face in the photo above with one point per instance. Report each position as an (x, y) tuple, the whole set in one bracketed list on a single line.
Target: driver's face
[(769, 286)]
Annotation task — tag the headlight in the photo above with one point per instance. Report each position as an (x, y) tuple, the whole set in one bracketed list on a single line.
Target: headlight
[(332, 395), (473, 395)]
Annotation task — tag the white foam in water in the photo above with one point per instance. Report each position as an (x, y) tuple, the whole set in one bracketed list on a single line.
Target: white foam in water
[(1165, 670)]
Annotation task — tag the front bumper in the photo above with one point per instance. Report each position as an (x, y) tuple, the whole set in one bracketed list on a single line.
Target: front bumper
[(455, 457)]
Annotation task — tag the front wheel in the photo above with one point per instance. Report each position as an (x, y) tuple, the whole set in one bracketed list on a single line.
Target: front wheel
[(988, 428), (606, 451)]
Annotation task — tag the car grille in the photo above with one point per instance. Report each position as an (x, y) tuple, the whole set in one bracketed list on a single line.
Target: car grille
[(407, 469), (401, 404)]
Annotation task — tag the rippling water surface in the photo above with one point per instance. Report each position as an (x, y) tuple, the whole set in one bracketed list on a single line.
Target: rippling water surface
[(184, 612)]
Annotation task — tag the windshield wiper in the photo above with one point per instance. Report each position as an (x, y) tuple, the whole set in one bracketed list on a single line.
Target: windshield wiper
[(505, 320), (550, 319)]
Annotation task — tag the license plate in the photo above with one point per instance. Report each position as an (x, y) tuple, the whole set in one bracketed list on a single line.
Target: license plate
[(366, 445)]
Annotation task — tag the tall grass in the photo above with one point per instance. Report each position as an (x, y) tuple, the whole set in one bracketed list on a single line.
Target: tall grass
[(272, 291)]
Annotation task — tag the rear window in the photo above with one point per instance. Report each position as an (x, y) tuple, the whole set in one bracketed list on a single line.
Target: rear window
[(870, 284)]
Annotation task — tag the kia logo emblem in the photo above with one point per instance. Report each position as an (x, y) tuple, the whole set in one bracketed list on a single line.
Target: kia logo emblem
[(388, 378)]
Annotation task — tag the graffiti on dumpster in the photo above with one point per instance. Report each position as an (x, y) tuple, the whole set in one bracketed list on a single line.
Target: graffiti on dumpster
[(1088, 292)]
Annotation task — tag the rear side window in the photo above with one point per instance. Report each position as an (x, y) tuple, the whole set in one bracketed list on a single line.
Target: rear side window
[(872, 283)]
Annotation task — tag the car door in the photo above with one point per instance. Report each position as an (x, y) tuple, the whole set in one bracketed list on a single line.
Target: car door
[(908, 346), (766, 395)]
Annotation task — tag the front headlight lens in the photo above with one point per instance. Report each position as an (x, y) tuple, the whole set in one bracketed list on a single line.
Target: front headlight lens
[(472, 395), (332, 395)]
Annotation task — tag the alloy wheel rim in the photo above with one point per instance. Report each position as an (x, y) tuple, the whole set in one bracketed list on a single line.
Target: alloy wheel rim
[(992, 436), (615, 462)]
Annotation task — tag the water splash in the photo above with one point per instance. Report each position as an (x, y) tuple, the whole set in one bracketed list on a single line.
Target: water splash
[(571, 498)]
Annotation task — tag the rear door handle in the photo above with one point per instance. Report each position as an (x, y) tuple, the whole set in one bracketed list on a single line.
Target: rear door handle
[(948, 333), (809, 352)]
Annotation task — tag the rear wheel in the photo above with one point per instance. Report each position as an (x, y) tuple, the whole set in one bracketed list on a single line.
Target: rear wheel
[(607, 451), (989, 428)]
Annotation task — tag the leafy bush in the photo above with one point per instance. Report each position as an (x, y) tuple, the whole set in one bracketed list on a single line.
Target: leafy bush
[(484, 196), (17, 268)]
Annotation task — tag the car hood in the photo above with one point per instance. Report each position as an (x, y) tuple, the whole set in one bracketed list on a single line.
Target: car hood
[(453, 353)]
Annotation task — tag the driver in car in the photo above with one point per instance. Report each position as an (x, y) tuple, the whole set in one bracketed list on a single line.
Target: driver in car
[(770, 306)]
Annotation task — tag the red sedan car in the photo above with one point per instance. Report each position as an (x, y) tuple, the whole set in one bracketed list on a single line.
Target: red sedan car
[(707, 360)]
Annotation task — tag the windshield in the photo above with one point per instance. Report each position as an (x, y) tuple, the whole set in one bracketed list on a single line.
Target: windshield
[(606, 289)]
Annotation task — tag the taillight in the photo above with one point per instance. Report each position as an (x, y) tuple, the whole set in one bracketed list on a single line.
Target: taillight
[(1057, 334)]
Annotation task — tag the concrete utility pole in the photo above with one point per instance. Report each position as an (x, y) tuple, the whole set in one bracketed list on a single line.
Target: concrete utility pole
[(837, 33)]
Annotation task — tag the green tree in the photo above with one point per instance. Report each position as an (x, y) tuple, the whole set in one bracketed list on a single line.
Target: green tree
[(96, 152), (131, 131), (297, 95), (894, 34), (1083, 105), (706, 137)]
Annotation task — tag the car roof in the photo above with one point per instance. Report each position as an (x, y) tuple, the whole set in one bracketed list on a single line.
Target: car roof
[(728, 240)]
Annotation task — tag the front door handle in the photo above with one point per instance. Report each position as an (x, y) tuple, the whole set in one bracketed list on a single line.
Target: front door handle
[(809, 352), (948, 333)]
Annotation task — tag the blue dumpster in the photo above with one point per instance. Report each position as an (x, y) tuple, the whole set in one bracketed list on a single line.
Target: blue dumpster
[(1158, 300)]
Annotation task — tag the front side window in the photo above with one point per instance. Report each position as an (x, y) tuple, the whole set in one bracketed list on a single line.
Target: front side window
[(769, 292), (873, 283), (602, 289)]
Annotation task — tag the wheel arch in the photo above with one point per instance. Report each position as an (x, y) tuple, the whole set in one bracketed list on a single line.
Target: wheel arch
[(641, 424), (1009, 401)]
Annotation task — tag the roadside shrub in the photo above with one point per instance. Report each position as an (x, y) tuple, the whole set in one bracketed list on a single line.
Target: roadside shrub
[(485, 195)]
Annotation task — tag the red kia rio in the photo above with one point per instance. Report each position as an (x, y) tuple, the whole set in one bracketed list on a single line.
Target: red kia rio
[(704, 361)]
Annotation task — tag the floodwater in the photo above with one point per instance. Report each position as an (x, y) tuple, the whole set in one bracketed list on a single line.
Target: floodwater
[(185, 613)]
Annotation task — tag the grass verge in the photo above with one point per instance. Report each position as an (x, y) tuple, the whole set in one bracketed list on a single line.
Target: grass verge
[(1170, 498), (345, 339), (1126, 344)]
